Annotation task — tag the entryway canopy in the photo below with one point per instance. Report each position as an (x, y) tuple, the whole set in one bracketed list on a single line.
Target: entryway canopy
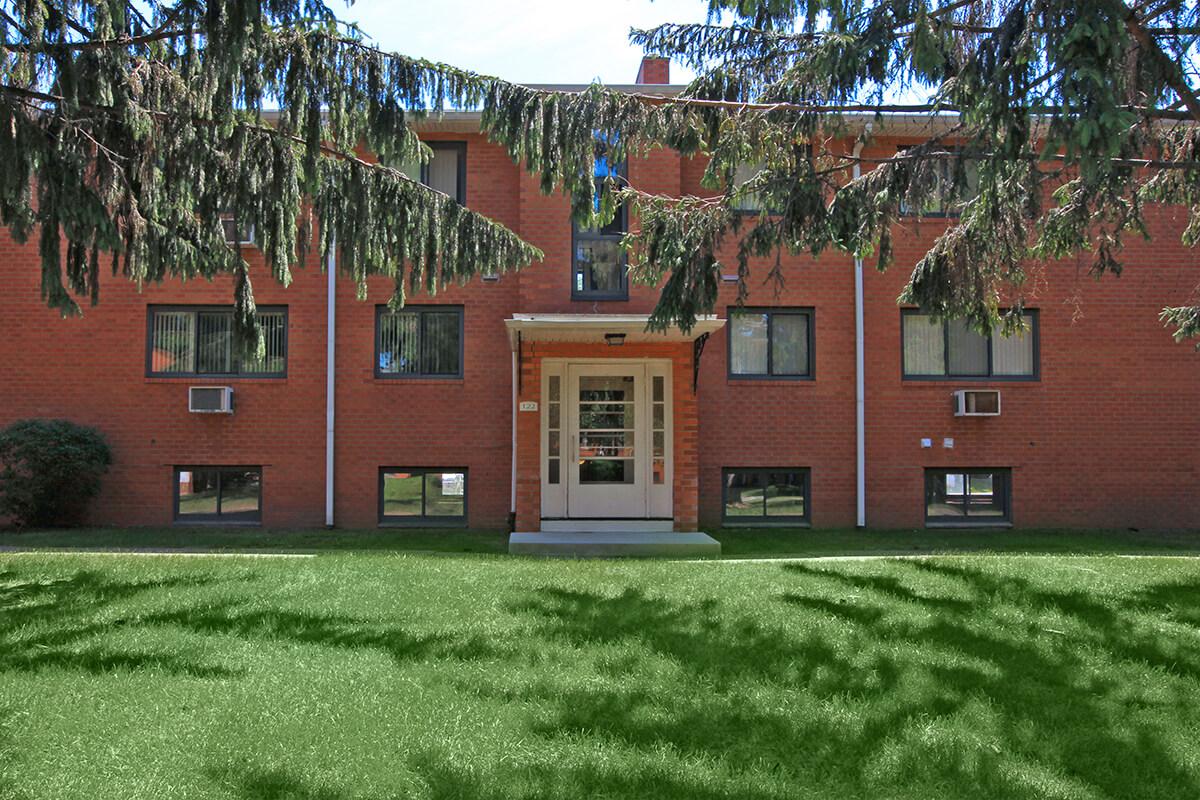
[(600, 328)]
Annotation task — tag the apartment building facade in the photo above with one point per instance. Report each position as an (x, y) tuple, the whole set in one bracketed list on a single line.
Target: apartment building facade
[(538, 400)]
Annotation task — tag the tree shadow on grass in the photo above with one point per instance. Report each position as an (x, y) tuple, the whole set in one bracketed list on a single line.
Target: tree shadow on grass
[(44, 623), (933, 688), (274, 783), (1058, 710), (327, 630)]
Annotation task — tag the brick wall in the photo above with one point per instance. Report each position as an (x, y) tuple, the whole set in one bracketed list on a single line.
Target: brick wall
[(1105, 437)]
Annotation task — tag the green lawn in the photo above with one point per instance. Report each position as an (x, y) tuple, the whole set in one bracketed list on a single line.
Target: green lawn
[(380, 676), (735, 542)]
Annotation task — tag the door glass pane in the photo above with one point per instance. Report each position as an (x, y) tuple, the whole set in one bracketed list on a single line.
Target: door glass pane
[(445, 494), (789, 344), (198, 492), (785, 494), (607, 444), (239, 492), (606, 470), (172, 342), (659, 389), (748, 344), (968, 350), (743, 494), (401, 494), (555, 383), (1013, 355), (924, 346), (601, 389), (214, 342)]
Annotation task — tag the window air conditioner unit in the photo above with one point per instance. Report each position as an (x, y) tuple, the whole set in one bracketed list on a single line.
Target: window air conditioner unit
[(977, 403), (210, 399)]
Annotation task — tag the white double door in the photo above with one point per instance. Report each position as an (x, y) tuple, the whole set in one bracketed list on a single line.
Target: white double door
[(617, 420)]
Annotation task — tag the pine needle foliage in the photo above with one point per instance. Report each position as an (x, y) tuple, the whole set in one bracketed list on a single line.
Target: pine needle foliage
[(1053, 123), (127, 128)]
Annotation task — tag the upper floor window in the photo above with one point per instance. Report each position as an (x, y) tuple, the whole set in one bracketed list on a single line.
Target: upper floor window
[(598, 263), (419, 342), (445, 171), (946, 200), (951, 349), (197, 341), (745, 200), (770, 343)]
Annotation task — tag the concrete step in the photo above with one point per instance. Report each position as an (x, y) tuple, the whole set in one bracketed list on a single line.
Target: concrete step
[(609, 544)]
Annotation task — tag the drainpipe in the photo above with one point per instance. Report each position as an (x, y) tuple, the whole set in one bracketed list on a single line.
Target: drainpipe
[(512, 499), (860, 418), (330, 351)]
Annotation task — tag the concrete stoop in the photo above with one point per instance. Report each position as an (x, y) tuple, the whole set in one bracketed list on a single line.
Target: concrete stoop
[(608, 544)]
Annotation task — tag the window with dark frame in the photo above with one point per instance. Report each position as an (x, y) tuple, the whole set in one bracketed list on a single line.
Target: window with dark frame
[(422, 496), (218, 494), (197, 341), (952, 350), (419, 342), (765, 495), (968, 496), (445, 171), (772, 343), (597, 261), (946, 201)]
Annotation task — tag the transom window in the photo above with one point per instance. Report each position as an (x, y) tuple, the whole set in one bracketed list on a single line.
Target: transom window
[(422, 496), (951, 349), (419, 342), (967, 495), (598, 262), (218, 494), (770, 343), (764, 495), (198, 340), (445, 171)]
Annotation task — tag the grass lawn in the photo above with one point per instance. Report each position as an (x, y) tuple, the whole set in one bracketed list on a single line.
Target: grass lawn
[(399, 675), (735, 542)]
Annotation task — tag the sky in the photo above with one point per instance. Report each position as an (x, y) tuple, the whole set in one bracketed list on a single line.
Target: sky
[(526, 41)]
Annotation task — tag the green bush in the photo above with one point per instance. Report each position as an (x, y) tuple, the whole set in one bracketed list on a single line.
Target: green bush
[(49, 470)]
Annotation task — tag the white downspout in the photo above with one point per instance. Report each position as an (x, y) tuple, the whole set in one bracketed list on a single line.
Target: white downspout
[(860, 417), (330, 370), (512, 500)]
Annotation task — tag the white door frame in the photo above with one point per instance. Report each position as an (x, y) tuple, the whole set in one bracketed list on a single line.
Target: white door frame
[(566, 498)]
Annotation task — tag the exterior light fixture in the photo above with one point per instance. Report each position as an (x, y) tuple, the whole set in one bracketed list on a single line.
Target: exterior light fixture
[(615, 339)]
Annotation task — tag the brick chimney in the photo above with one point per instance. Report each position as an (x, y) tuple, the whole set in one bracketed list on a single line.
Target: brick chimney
[(654, 69)]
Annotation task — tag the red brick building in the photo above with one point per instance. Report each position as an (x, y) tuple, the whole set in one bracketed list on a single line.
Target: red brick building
[(540, 395)]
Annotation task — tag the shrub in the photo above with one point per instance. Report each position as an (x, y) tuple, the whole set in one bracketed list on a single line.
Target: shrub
[(49, 470)]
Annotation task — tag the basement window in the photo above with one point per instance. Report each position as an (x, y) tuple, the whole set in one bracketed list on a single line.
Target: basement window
[(225, 495), (967, 496), (765, 496), (422, 496)]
